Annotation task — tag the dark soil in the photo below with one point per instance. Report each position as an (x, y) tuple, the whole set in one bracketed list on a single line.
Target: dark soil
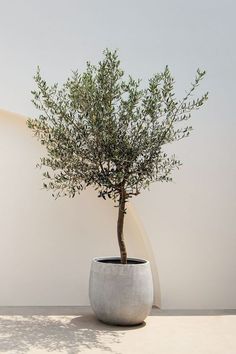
[(117, 261)]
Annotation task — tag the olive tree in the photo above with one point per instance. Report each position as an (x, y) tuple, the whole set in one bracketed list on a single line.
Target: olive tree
[(103, 129)]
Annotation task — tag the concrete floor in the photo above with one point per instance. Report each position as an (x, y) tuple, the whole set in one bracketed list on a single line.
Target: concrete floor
[(75, 330)]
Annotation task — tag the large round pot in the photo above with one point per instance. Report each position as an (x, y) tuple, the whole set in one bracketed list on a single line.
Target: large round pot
[(121, 294)]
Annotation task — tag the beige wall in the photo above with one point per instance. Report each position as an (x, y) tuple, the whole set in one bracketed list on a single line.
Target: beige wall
[(47, 245), (192, 222)]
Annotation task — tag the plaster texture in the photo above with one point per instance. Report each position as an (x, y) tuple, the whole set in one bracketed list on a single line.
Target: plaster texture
[(47, 246)]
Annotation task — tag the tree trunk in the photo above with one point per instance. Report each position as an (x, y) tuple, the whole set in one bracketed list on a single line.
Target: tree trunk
[(120, 226)]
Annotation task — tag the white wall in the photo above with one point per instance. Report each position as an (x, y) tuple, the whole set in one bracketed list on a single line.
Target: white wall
[(47, 245), (190, 223)]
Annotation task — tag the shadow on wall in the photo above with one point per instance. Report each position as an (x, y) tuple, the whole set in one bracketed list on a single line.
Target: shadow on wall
[(45, 232), (23, 334)]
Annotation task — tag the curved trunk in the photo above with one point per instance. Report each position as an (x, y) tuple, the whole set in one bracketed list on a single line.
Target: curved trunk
[(120, 227)]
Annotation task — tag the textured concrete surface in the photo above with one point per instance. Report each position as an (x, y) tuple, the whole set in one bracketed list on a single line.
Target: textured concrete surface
[(121, 294), (75, 330)]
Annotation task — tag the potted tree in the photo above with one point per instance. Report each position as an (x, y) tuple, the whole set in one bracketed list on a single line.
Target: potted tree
[(103, 130)]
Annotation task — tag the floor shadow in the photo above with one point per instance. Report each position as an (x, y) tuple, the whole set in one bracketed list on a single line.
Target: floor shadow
[(91, 322), (22, 334)]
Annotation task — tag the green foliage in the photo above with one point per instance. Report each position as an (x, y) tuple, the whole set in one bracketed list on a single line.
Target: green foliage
[(102, 130)]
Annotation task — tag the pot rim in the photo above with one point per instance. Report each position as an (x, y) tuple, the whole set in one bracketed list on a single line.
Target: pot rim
[(140, 261)]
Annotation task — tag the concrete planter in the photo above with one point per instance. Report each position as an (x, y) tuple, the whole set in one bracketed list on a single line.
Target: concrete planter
[(121, 294)]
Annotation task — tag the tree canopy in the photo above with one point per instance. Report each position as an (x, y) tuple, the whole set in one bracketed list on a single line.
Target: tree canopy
[(102, 129)]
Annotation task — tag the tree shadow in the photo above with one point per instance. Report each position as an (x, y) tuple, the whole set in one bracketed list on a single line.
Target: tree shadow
[(70, 334)]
